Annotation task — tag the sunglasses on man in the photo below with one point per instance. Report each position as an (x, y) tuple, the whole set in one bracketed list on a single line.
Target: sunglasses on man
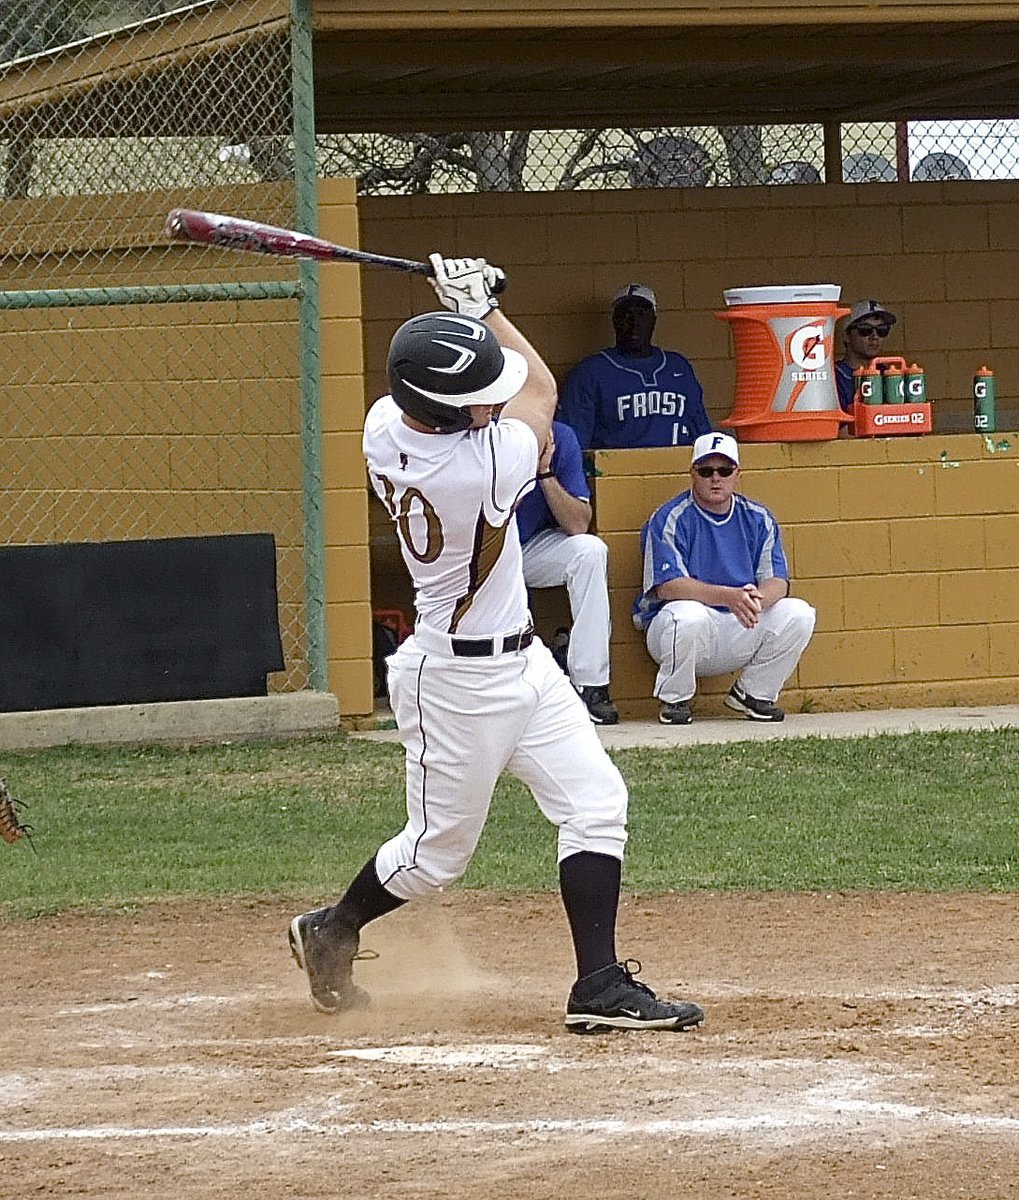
[(707, 472), (882, 331)]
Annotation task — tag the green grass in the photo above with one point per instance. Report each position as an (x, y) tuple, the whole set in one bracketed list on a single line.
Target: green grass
[(115, 827)]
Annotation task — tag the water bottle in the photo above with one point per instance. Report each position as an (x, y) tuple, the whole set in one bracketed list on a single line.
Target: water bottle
[(894, 385), (985, 404), (870, 386), (916, 384)]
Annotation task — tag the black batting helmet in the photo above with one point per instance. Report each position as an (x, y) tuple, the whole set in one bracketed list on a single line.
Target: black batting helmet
[(440, 362)]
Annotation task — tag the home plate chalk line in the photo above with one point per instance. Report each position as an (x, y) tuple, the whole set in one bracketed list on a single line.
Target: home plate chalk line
[(762, 1123), (812, 1100)]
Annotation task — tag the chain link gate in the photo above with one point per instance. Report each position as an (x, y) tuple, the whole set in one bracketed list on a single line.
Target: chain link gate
[(150, 390)]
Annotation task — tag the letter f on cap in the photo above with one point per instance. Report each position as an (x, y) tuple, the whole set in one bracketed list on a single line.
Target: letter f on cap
[(716, 443)]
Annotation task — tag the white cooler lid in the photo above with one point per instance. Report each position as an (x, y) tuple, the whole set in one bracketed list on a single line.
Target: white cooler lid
[(802, 293)]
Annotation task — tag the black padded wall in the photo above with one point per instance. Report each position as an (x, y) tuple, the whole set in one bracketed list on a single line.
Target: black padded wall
[(129, 622)]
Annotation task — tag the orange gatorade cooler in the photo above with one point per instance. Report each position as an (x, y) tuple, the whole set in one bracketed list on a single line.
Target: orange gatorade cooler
[(785, 370)]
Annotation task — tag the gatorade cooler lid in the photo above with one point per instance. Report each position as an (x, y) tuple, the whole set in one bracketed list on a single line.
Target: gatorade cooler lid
[(810, 293)]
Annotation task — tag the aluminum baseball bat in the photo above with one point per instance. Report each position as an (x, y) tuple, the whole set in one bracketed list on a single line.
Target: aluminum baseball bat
[(254, 237)]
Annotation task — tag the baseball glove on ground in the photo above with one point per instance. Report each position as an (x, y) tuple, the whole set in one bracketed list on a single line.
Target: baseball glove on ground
[(12, 828)]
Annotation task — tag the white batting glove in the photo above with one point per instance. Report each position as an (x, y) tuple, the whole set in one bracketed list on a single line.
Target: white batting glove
[(495, 279), (464, 285)]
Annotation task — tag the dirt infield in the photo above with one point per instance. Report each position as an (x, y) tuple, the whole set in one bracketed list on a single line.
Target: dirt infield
[(856, 1045)]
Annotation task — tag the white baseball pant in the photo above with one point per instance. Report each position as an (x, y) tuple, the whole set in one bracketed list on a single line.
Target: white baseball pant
[(462, 721), (689, 639), (553, 558)]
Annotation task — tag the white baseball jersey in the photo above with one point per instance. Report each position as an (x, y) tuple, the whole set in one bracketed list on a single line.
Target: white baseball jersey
[(451, 497), (463, 720)]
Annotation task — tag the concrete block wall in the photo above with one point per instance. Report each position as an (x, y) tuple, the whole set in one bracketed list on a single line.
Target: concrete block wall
[(156, 407), (150, 421), (176, 420), (345, 492), (943, 256), (908, 547)]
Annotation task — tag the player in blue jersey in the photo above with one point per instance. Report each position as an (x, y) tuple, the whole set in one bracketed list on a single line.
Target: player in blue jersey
[(557, 551), (634, 394), (715, 593)]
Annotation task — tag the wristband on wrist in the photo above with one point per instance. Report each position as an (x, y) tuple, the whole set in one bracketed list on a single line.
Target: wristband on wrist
[(545, 475)]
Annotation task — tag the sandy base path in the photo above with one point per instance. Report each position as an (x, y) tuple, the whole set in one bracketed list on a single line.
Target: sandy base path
[(856, 1045)]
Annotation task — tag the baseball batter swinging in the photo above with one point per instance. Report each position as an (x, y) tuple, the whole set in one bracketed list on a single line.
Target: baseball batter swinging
[(473, 690)]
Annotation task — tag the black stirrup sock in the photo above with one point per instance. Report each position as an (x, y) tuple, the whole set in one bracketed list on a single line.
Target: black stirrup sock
[(589, 884), (365, 899)]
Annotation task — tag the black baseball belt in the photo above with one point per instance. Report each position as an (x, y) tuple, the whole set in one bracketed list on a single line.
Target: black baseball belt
[(487, 647)]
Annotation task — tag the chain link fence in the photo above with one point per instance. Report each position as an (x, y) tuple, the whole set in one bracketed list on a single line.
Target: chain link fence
[(152, 390), (149, 390), (700, 156)]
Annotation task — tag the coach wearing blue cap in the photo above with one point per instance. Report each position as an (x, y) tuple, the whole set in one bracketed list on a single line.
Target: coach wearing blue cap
[(715, 594), (634, 393)]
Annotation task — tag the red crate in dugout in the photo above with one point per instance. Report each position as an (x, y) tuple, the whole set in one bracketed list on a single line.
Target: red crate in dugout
[(887, 420)]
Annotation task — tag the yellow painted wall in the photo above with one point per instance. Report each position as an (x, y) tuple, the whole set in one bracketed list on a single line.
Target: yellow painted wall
[(906, 546), (903, 544), (154, 420), (345, 489), (943, 256), (174, 420)]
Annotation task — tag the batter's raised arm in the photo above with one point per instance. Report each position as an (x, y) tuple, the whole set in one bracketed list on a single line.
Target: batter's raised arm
[(535, 403)]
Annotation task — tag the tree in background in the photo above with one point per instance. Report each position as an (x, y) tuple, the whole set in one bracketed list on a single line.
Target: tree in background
[(512, 161), (32, 26), (411, 164), (745, 152)]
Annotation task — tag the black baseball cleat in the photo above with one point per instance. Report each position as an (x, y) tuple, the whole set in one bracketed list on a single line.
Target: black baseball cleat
[(612, 999), (599, 705), (750, 706), (676, 714), (325, 952)]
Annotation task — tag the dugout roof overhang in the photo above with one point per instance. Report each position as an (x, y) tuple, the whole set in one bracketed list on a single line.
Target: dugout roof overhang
[(431, 66), (505, 64)]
